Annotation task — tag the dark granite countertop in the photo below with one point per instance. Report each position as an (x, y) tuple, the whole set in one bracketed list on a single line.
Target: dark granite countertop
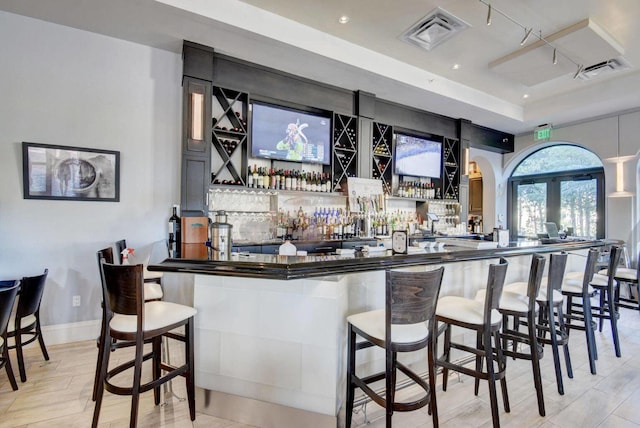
[(198, 260)]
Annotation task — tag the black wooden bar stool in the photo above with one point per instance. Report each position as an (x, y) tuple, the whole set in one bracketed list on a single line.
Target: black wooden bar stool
[(578, 313), (405, 325), (627, 275), (8, 293), (127, 317), (26, 320), (522, 310), (607, 307), (485, 320)]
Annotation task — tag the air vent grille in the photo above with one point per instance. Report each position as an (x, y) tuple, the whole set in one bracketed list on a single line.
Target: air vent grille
[(604, 68), (435, 28)]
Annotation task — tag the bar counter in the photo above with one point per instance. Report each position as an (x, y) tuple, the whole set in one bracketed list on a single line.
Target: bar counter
[(271, 331), (199, 260)]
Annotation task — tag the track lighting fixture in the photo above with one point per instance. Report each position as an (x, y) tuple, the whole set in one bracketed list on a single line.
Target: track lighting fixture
[(578, 71), (526, 36)]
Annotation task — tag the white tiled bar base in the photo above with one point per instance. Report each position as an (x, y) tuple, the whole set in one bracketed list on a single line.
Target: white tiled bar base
[(273, 352)]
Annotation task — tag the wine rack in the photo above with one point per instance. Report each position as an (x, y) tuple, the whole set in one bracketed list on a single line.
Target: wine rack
[(382, 155), (451, 169), (345, 149), (229, 139)]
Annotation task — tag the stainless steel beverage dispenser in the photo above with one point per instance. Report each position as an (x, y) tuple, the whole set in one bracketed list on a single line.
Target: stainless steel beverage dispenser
[(221, 237)]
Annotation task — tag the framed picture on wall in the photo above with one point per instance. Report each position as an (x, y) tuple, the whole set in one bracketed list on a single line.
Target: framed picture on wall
[(70, 173)]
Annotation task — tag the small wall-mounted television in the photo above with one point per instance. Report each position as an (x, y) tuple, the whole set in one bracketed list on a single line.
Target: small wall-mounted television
[(289, 134), (417, 156)]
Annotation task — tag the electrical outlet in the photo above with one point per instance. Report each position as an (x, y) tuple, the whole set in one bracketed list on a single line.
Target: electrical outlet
[(76, 301)]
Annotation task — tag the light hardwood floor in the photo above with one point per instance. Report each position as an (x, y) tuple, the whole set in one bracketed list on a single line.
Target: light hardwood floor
[(58, 393)]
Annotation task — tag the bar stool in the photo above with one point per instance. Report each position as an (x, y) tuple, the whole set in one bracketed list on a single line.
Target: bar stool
[(26, 320), (405, 325), (629, 276), (607, 308), (8, 293), (153, 289), (579, 293), (127, 317), (518, 306), (484, 318)]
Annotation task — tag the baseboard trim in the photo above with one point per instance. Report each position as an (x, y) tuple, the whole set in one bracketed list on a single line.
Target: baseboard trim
[(258, 413), (72, 332)]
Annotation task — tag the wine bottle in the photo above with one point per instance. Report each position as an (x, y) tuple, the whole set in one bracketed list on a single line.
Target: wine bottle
[(175, 237), (249, 178)]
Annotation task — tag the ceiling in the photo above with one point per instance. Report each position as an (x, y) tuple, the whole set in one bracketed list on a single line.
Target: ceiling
[(304, 37)]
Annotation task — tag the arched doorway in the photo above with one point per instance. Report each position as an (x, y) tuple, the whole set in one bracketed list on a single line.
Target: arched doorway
[(562, 183)]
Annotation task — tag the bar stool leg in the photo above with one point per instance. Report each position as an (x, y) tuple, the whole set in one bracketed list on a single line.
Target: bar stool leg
[(135, 391), (493, 397), (613, 317), (351, 361), (476, 387), (554, 346), (447, 355), (191, 386), (563, 331), (102, 374), (433, 407), (535, 362), (591, 338)]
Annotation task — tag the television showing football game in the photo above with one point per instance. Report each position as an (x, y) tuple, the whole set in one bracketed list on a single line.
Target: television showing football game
[(288, 134)]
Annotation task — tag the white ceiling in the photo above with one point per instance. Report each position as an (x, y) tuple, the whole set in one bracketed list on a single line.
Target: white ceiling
[(304, 37)]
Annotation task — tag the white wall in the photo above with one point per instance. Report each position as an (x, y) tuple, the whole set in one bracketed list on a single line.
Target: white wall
[(64, 86)]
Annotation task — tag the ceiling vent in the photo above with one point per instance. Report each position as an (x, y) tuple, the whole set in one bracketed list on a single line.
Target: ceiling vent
[(435, 28), (604, 68)]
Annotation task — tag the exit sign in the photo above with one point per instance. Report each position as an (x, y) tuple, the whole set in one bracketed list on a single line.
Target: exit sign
[(542, 133)]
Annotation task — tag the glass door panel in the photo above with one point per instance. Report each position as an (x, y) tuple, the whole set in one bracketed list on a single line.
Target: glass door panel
[(531, 210), (578, 202)]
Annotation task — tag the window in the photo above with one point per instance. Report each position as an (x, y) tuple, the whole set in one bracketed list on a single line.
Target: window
[(563, 184)]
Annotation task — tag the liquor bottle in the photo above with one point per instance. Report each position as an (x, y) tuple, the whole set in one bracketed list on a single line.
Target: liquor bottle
[(249, 178), (255, 177), (303, 181), (266, 180), (175, 236), (273, 184)]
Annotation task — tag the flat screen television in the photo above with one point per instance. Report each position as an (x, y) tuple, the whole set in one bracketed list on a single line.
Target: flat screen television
[(288, 134), (417, 156)]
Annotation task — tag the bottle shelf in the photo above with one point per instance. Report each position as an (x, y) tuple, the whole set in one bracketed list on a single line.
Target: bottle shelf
[(451, 176), (381, 155), (229, 136), (345, 149)]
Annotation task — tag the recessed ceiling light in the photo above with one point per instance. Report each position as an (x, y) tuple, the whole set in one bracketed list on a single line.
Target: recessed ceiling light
[(455, 67), (525, 96), (343, 19)]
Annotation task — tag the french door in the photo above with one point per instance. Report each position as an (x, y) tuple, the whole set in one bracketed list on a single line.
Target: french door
[(574, 201)]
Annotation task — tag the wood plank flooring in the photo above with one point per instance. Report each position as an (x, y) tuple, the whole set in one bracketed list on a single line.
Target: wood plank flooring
[(58, 393)]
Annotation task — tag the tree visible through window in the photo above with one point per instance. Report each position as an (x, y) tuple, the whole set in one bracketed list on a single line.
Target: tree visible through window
[(563, 184)]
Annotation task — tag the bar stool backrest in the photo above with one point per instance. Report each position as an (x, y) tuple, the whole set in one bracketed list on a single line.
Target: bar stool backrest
[(557, 265), (31, 290), (589, 271), (7, 299), (411, 297), (614, 260), (535, 279), (120, 246), (123, 290), (495, 284)]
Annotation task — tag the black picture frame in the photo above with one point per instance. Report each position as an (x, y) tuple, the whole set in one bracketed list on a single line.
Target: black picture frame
[(70, 173)]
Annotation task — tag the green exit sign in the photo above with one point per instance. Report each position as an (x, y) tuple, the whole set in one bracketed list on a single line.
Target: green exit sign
[(542, 134)]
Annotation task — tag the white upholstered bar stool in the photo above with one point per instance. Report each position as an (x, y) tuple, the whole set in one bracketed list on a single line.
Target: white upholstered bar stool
[(485, 320), (551, 315), (517, 307), (607, 308), (628, 276), (405, 325), (578, 293), (128, 318)]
